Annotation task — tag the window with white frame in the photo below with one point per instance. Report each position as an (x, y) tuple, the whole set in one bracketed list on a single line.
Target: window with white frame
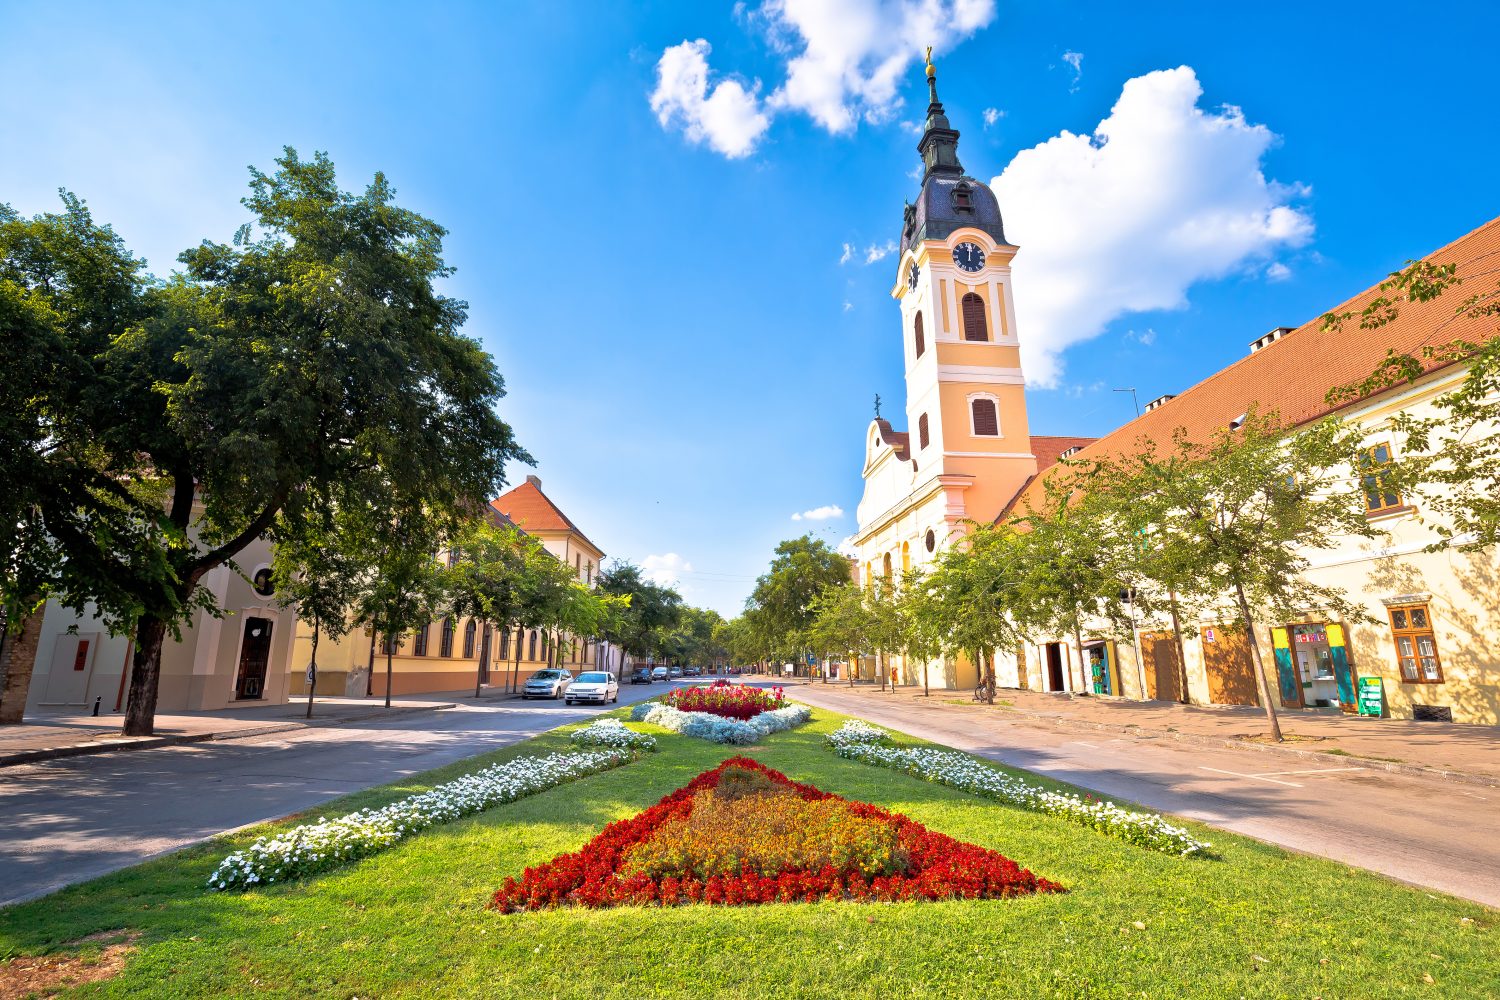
[(984, 415)]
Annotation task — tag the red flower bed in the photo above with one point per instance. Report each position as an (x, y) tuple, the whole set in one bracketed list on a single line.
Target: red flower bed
[(732, 701), (935, 866)]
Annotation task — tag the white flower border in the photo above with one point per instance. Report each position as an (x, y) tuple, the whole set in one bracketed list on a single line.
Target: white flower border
[(854, 741), (330, 843), (611, 732), (718, 729)]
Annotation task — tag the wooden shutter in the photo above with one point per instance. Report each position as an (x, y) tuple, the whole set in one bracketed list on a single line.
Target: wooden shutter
[(986, 421), (921, 338), (973, 313), (922, 431)]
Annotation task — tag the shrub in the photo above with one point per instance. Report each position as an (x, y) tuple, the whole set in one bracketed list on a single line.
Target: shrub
[(330, 843), (716, 728), (732, 701), (959, 770), (610, 732)]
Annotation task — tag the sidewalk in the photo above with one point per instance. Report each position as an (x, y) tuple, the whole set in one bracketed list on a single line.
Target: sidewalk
[(45, 736), (1434, 749)]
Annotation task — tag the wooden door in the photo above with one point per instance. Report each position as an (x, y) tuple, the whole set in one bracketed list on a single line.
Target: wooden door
[(255, 656), (1054, 667), (1226, 659), (1164, 656)]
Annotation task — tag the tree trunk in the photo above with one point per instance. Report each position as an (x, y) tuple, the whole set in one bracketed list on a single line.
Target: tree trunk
[(515, 670), (1182, 679), (926, 687), (479, 665), (140, 706), (312, 670), (1261, 685), (390, 653), (370, 670), (17, 661)]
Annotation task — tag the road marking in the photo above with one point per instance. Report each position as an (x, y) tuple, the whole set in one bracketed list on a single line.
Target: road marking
[(1255, 777), (1092, 746), (1311, 770)]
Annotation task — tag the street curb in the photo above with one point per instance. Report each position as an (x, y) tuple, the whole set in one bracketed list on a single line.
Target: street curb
[(155, 742), (1143, 733)]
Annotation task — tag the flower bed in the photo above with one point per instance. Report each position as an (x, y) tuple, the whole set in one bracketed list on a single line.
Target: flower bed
[(958, 770), (330, 843), (744, 834), (610, 732), (716, 728), (732, 701)]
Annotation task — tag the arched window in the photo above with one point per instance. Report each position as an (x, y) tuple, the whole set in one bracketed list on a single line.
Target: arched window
[(918, 334), (532, 654), (419, 644), (905, 558), (986, 420), (972, 307), (446, 644), (469, 639), (886, 566), (922, 437), (504, 644)]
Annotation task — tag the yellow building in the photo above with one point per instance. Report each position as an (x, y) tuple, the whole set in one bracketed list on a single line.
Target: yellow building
[(968, 454), (455, 654)]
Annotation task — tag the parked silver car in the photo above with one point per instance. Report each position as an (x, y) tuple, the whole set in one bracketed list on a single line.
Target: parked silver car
[(659, 674), (547, 684), (593, 686)]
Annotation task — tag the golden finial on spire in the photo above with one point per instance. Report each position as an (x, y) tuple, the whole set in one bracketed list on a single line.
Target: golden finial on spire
[(931, 70)]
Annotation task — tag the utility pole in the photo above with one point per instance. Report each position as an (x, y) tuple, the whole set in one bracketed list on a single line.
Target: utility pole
[(1133, 398)]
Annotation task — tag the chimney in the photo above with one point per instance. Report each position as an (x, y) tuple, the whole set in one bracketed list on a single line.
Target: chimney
[(1270, 338), (1159, 401), (1070, 452), (535, 481)]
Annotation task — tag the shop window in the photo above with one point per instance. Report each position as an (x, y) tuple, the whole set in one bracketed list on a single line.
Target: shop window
[(922, 437), (972, 308), (918, 335), (419, 643), (1380, 490), (445, 644), (469, 639), (1416, 646)]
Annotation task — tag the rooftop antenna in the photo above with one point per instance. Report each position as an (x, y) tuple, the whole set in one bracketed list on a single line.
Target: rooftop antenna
[(1135, 399)]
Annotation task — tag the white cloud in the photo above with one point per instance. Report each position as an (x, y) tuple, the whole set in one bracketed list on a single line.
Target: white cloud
[(665, 569), (727, 116), (824, 513), (846, 61), (1161, 196), (848, 253), (848, 305), (846, 547), (992, 115), (875, 252), (1074, 59), (1145, 339), (1278, 271)]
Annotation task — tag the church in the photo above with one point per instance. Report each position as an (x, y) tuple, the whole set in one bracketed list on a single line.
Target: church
[(967, 454)]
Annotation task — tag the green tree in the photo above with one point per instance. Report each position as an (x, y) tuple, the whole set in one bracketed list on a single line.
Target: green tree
[(1241, 512), (319, 575), (967, 603), (841, 624), (782, 599), (406, 582), (1449, 460), (650, 609), (313, 349), (486, 577)]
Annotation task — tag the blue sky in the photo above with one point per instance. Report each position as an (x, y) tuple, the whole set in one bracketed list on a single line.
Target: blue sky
[(676, 290)]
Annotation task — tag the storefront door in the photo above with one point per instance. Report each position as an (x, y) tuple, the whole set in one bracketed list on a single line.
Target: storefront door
[(255, 656), (1097, 658), (1288, 680)]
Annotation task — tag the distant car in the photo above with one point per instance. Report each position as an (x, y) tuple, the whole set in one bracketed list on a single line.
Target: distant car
[(642, 675), (593, 685), (546, 684), (675, 672), (660, 674), (693, 672)]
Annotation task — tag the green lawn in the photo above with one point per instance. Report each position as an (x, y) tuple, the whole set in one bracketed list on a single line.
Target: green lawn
[(1256, 922)]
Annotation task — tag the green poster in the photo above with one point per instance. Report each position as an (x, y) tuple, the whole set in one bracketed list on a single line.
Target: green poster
[(1371, 697)]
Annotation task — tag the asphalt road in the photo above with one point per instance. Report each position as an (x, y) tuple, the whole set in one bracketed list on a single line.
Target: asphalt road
[(73, 819), (1427, 832)]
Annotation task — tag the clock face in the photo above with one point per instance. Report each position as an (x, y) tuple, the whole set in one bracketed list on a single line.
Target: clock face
[(912, 274), (968, 256)]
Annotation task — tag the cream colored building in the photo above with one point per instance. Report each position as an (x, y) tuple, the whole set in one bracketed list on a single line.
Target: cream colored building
[(1435, 641)]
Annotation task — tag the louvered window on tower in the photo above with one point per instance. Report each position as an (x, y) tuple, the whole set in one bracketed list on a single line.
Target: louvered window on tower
[(918, 335), (973, 313), (986, 421), (922, 431)]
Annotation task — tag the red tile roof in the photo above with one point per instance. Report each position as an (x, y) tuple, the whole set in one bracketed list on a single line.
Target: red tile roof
[(1292, 375), (1048, 449), (531, 510)]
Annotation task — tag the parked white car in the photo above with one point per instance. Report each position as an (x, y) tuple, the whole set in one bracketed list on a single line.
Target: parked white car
[(546, 684), (594, 686)]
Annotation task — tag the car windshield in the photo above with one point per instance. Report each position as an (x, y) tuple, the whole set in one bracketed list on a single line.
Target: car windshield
[(594, 678), (546, 675)]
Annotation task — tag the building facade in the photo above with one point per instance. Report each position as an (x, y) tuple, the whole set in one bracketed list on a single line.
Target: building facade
[(1432, 630)]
